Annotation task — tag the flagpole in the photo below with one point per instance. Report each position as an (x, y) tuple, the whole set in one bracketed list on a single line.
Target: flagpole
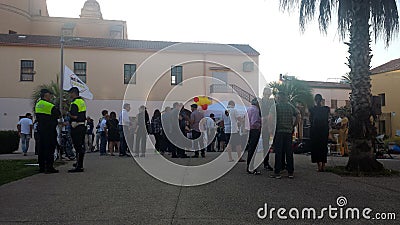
[(61, 72)]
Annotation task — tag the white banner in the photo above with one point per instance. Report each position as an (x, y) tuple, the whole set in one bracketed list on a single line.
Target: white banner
[(71, 80)]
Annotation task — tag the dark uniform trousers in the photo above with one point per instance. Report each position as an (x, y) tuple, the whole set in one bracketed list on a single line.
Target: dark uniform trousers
[(78, 140), (47, 147)]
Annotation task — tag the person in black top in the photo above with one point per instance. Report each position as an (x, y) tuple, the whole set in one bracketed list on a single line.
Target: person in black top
[(319, 119), (113, 133), (77, 113), (46, 115)]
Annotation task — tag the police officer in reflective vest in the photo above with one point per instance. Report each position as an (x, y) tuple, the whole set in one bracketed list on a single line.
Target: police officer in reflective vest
[(77, 112), (46, 114)]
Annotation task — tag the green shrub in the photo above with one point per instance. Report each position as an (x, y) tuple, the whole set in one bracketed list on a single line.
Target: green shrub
[(9, 141)]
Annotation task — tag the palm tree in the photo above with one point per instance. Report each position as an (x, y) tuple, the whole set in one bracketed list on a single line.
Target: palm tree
[(355, 18), (55, 89)]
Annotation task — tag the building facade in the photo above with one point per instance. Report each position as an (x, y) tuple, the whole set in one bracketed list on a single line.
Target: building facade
[(116, 69), (385, 81), (335, 95)]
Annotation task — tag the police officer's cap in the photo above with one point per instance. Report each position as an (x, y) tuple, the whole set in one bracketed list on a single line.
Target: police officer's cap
[(74, 90)]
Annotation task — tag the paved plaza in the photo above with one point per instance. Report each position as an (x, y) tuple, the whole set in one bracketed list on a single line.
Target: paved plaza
[(115, 190)]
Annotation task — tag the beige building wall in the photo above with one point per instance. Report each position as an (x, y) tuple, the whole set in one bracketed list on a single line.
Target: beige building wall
[(341, 95), (388, 83), (105, 70)]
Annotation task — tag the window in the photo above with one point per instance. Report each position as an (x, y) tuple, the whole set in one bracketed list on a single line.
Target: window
[(129, 73), (27, 71), (176, 75), (333, 104), (383, 100), (80, 70)]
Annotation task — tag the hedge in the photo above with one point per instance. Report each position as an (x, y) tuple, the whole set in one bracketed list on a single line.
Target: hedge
[(9, 141)]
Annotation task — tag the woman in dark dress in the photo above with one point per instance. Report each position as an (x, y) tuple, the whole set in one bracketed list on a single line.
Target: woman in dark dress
[(319, 118), (113, 133)]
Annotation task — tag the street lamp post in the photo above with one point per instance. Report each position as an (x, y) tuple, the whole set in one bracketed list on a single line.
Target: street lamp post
[(62, 41)]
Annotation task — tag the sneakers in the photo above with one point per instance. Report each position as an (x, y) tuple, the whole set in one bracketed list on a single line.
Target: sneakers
[(276, 176), (290, 176)]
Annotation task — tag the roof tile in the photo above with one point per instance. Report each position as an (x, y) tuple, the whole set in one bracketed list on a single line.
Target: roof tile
[(387, 67), (85, 42)]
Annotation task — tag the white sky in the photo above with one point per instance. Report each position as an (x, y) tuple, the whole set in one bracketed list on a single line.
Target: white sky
[(259, 23)]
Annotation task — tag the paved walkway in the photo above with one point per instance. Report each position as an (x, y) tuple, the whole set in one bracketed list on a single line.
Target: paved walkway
[(115, 190)]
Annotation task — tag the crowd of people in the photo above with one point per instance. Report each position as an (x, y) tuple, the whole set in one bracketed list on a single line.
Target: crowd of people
[(180, 131)]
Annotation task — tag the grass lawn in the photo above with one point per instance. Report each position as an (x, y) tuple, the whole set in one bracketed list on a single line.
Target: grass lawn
[(341, 171), (12, 170)]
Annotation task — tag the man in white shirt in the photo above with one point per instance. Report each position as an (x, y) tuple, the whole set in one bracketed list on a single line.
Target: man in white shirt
[(123, 126), (25, 126)]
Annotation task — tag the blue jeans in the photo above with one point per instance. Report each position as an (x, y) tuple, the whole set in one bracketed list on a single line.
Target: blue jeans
[(283, 146), (103, 143), (25, 142)]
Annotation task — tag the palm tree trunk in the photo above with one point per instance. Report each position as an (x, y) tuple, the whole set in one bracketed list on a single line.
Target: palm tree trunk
[(361, 129)]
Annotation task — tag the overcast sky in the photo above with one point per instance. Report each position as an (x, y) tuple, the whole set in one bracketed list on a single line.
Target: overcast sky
[(259, 23)]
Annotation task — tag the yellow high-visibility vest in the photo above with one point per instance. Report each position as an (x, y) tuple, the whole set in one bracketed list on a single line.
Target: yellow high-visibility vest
[(43, 107), (80, 104)]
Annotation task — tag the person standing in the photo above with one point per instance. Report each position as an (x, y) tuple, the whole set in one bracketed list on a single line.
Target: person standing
[(266, 104), (319, 132), (284, 114), (124, 124), (141, 132), (103, 133), (157, 131), (195, 117), (46, 114), (167, 121), (232, 136), (89, 134), (113, 133), (25, 126), (36, 137), (343, 132), (77, 114), (211, 129), (254, 115)]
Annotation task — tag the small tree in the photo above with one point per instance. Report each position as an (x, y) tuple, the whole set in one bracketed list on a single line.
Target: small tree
[(55, 89), (298, 91)]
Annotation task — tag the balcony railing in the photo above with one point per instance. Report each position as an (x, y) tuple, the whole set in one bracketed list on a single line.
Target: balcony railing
[(231, 88)]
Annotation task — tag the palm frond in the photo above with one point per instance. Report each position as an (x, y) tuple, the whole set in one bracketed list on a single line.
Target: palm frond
[(298, 91)]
